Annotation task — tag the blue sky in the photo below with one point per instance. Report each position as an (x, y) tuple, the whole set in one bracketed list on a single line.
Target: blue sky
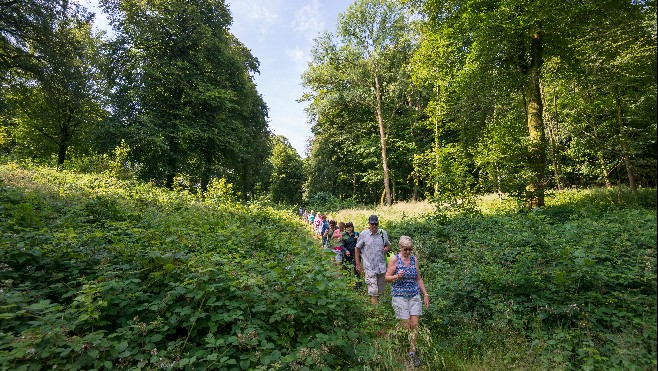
[(280, 34)]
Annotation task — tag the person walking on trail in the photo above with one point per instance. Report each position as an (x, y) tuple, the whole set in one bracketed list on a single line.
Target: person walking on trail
[(318, 222), (349, 245), (372, 247), (311, 218), (326, 234), (407, 285), (336, 240)]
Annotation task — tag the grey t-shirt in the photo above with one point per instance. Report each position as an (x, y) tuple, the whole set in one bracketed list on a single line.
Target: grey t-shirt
[(371, 248)]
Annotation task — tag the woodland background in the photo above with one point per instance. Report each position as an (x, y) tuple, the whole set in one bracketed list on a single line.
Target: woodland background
[(412, 100), (147, 212)]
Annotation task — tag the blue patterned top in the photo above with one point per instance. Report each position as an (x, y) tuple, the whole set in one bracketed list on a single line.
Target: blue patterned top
[(407, 286)]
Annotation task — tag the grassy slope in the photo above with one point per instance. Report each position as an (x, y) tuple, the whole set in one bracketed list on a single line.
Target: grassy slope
[(123, 274), (98, 272)]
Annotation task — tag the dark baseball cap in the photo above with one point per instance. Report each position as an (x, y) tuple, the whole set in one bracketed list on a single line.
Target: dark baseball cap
[(373, 219)]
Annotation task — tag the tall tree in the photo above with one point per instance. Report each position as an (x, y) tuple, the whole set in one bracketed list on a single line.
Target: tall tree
[(185, 99), (55, 97), (376, 30), (361, 70), (287, 172), (493, 71)]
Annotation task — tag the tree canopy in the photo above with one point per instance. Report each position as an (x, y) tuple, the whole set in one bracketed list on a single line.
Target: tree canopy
[(419, 99)]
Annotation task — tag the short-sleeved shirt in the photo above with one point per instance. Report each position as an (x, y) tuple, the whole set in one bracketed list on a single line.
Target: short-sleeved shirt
[(371, 249)]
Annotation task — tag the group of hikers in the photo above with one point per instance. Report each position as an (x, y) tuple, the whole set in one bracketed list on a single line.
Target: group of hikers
[(366, 253)]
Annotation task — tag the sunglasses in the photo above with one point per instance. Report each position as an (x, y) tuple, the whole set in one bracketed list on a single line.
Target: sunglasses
[(374, 223)]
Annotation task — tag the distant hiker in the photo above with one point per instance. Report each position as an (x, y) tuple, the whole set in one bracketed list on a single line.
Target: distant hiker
[(407, 285), (349, 245), (337, 242), (319, 219), (311, 218), (372, 247), (325, 231)]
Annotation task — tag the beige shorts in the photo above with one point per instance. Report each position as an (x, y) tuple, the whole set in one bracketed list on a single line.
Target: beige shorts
[(376, 283), (407, 307)]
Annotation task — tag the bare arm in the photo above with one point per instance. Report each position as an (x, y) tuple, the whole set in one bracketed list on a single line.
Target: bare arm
[(391, 275), (421, 284), (357, 259)]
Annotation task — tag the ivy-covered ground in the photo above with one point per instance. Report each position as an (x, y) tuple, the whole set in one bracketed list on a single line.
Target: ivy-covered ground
[(102, 273)]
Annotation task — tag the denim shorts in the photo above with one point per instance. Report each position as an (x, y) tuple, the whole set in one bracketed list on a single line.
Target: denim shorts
[(406, 307)]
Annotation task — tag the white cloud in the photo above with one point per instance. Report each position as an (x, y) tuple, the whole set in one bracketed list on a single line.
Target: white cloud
[(261, 12), (299, 57), (308, 20)]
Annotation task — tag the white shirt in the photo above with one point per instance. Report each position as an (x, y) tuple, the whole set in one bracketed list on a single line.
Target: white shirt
[(371, 248)]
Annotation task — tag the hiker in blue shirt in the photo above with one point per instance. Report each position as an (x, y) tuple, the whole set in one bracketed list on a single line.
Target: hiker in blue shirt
[(407, 285)]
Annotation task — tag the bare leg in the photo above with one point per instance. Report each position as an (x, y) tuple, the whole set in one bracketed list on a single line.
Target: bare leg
[(413, 332), (374, 300)]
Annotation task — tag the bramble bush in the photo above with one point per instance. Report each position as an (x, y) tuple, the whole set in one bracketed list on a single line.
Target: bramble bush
[(575, 280), (97, 272)]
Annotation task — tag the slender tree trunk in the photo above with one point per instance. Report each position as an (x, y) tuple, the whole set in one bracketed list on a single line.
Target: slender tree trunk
[(436, 144), (63, 143), (382, 137), (626, 151), (500, 192), (553, 145), (534, 110), (604, 170), (172, 166)]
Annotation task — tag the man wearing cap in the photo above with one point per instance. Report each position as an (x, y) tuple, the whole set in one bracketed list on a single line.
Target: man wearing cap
[(372, 247)]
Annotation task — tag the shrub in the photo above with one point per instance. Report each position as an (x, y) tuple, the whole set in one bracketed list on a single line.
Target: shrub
[(100, 273), (576, 279)]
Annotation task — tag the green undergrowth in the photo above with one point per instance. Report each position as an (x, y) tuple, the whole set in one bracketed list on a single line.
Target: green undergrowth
[(569, 286), (101, 273), (98, 273)]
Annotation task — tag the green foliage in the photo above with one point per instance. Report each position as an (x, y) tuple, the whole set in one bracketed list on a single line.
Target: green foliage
[(576, 280), (183, 96), (597, 77), (360, 96), (54, 104), (287, 173), (101, 272), (98, 272)]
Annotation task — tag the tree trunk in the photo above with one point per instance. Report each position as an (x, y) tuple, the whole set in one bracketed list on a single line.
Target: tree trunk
[(553, 143), (61, 153), (604, 170), (626, 151), (63, 145), (172, 166), (534, 111), (436, 156), (382, 137), (64, 139)]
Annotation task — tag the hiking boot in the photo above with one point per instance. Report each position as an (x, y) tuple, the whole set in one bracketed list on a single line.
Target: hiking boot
[(414, 360)]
